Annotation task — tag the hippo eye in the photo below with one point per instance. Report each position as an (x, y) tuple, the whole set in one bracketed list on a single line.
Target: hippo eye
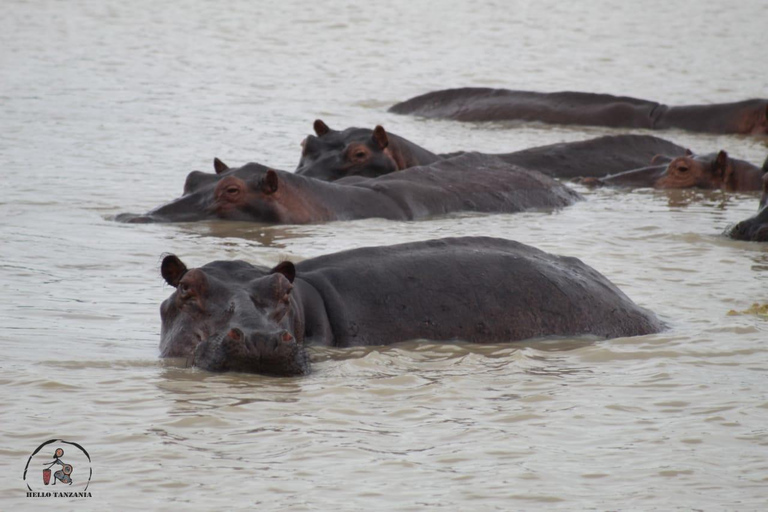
[(185, 291), (682, 168), (233, 190)]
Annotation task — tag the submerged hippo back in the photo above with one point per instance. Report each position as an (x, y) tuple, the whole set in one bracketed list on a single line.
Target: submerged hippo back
[(471, 182), (485, 104), (596, 157), (475, 289)]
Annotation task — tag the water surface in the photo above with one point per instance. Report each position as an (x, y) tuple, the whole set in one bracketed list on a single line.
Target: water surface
[(105, 107)]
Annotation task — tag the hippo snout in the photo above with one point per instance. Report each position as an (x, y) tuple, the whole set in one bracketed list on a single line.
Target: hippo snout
[(276, 353)]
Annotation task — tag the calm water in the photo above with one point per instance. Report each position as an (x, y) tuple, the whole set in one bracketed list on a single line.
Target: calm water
[(105, 107)]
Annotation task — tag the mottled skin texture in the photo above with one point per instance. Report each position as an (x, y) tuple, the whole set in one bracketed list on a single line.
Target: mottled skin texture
[(754, 229), (234, 316), (359, 152), (484, 104), (712, 171), (258, 194)]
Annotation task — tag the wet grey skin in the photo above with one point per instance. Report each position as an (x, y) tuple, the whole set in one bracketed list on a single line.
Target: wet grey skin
[(754, 229), (748, 117), (356, 153), (470, 182), (235, 316)]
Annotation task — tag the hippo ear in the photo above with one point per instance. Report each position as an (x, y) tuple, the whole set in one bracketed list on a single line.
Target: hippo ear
[(219, 166), (269, 184), (380, 137), (320, 127), (721, 162), (287, 269), (688, 152), (172, 269)]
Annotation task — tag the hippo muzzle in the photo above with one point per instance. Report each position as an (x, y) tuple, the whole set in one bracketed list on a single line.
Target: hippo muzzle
[(276, 353)]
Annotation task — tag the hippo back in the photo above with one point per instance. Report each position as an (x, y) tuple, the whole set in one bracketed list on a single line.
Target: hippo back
[(475, 289), (566, 107), (596, 157), (471, 182)]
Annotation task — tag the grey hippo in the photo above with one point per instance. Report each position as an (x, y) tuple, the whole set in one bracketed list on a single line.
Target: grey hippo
[(749, 117), (235, 316)]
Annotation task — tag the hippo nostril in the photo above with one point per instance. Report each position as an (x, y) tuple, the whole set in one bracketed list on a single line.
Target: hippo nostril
[(286, 337), (235, 334)]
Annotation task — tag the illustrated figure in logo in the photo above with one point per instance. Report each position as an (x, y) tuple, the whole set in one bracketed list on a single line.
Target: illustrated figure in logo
[(61, 475)]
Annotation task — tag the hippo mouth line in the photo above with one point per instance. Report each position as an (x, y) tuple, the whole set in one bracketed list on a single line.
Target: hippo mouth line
[(223, 352)]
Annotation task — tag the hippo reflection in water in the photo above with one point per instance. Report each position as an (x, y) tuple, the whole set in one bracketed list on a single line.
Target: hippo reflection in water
[(754, 229), (234, 316), (712, 171), (359, 152), (484, 104), (256, 193)]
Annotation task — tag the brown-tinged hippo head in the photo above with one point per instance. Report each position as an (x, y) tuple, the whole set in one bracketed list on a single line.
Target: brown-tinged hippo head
[(252, 192), (233, 316), (332, 154), (711, 171)]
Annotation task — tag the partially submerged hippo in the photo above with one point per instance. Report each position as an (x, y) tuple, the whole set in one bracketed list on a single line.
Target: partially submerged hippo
[(234, 316), (485, 104), (712, 171), (596, 157), (333, 155), (754, 229), (259, 194), (359, 152)]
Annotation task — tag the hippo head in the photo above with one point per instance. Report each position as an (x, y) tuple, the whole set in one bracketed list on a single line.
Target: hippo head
[(698, 171), (332, 154), (233, 316), (245, 193)]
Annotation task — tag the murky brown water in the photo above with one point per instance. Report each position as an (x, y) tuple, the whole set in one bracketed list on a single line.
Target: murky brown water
[(104, 108)]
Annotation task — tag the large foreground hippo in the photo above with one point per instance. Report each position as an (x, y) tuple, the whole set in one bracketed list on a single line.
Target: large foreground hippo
[(255, 193), (712, 171), (754, 229), (360, 152), (231, 315), (485, 104)]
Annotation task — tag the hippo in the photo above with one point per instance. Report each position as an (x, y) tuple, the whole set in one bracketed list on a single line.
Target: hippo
[(749, 117), (357, 152), (256, 193), (596, 157), (235, 316), (710, 171), (754, 229), (361, 152)]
